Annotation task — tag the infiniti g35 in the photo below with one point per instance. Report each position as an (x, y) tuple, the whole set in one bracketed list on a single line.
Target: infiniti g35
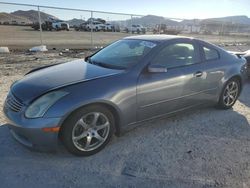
[(84, 102)]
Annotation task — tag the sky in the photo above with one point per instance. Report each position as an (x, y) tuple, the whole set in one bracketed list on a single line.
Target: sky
[(184, 9)]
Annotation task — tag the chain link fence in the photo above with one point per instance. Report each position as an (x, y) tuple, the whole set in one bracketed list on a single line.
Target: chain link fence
[(23, 26)]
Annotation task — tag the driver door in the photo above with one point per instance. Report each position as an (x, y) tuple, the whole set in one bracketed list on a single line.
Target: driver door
[(160, 93)]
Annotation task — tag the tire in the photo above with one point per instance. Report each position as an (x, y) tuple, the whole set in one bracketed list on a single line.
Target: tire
[(88, 130), (229, 94)]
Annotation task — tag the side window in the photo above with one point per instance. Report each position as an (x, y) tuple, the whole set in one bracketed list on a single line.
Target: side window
[(210, 53), (176, 55)]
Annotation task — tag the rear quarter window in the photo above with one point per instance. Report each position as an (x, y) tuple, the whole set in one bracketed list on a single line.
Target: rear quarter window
[(210, 53)]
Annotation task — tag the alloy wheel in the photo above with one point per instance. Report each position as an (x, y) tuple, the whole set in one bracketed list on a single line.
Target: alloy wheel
[(230, 93), (90, 131)]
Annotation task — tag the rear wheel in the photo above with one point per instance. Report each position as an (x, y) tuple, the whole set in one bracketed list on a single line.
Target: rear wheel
[(88, 130), (229, 94)]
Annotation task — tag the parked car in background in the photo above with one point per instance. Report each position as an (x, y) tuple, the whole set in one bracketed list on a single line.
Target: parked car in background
[(6, 23), (83, 103), (116, 28), (163, 29), (136, 29), (81, 27), (60, 25), (14, 22), (46, 26), (49, 26), (95, 26), (109, 27), (246, 55)]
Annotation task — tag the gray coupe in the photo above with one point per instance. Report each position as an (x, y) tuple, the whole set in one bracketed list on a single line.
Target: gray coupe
[(84, 102)]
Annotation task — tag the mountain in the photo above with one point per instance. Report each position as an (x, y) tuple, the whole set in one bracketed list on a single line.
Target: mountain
[(6, 17), (191, 22), (27, 17), (32, 15), (147, 21), (232, 19), (151, 20)]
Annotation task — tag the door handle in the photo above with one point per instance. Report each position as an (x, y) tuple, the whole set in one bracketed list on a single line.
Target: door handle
[(198, 74)]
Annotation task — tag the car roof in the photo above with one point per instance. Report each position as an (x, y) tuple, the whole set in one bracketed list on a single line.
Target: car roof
[(157, 37)]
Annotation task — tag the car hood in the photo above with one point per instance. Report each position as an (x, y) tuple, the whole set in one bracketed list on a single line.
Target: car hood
[(43, 80)]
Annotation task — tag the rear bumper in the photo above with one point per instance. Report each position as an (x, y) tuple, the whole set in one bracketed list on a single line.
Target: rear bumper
[(29, 132)]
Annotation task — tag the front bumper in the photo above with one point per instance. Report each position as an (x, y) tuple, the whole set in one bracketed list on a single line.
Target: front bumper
[(29, 132)]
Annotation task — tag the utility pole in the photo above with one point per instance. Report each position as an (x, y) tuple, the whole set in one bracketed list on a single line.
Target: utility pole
[(40, 25)]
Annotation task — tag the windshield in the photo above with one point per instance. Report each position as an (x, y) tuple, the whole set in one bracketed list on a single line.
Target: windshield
[(122, 54)]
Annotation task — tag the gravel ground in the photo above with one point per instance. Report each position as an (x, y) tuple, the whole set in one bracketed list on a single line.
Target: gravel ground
[(200, 148)]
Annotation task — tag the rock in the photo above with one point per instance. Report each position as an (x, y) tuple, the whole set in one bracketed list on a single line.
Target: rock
[(41, 48), (4, 50)]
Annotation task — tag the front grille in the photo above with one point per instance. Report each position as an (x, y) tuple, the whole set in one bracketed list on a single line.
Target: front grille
[(13, 103)]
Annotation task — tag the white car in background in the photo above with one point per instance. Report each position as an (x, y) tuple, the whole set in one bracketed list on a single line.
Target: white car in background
[(95, 26), (60, 26), (109, 27), (136, 29), (53, 23)]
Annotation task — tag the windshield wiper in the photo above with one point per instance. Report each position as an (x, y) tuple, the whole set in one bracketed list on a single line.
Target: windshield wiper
[(88, 60), (109, 66)]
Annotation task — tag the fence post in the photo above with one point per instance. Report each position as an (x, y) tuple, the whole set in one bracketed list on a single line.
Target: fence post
[(131, 23), (40, 25), (159, 32), (91, 24)]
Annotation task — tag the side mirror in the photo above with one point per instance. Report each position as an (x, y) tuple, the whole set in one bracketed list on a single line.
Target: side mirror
[(86, 58), (157, 68)]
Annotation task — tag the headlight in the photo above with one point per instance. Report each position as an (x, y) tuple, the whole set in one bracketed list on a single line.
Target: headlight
[(40, 106)]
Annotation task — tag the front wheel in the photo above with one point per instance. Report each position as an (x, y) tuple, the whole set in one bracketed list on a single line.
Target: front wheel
[(229, 94), (88, 130)]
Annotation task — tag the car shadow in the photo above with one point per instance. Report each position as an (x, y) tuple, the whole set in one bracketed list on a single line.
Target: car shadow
[(209, 121), (200, 148), (200, 143)]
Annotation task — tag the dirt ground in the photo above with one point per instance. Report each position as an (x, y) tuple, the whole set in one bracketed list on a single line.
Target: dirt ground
[(198, 149), (24, 37)]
